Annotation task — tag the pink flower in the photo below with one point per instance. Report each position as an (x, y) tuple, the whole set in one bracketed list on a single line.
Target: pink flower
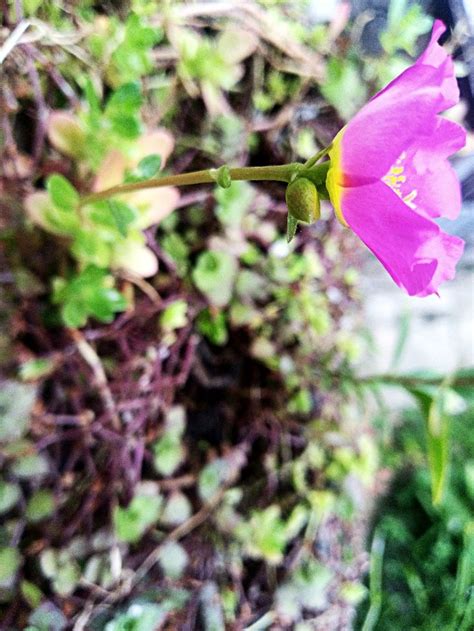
[(389, 175)]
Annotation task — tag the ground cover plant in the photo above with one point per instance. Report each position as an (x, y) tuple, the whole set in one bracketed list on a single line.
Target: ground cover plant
[(422, 553), (184, 442)]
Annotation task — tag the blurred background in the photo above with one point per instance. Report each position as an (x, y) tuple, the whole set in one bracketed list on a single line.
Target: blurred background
[(201, 425)]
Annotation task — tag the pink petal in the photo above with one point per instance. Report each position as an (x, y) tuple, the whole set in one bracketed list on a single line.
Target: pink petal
[(435, 58), (430, 183), (434, 54), (413, 249), (396, 116)]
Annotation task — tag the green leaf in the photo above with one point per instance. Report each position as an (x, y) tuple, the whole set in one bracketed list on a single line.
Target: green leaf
[(173, 559), (16, 404), (49, 562), (132, 59), (128, 127), (178, 250), (132, 522), (343, 78), (9, 495), (405, 25), (40, 505), (264, 536), (90, 247), (222, 176), (10, 560), (128, 99), (214, 275), (149, 166), (122, 214), (47, 618), (403, 334), (92, 100), (433, 405), (30, 466), (177, 509), (66, 578), (438, 424), (168, 454), (141, 616), (63, 194), (123, 111), (174, 316), (212, 476), (88, 294), (291, 226), (306, 588), (213, 326), (31, 593), (34, 369), (233, 202), (375, 579)]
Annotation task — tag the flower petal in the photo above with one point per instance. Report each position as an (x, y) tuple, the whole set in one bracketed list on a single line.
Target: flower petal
[(425, 179), (401, 112), (434, 54), (413, 249)]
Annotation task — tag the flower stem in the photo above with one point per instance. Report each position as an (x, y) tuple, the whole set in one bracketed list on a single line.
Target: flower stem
[(312, 161), (279, 173)]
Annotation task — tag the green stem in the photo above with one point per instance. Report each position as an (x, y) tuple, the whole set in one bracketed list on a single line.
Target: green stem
[(312, 161), (279, 173)]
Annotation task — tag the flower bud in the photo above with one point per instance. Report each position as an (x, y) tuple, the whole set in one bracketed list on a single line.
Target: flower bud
[(302, 200)]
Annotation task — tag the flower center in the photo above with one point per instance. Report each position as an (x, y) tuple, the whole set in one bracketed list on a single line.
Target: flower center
[(395, 178)]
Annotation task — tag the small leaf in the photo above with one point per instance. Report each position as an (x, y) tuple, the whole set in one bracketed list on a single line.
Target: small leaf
[(438, 424), (135, 257), (127, 99), (173, 560), (16, 404), (177, 509), (48, 617), (174, 316), (63, 194), (36, 369), (67, 135), (88, 294), (214, 275), (149, 166), (9, 495), (10, 560), (31, 466), (168, 454), (212, 476), (122, 215), (213, 326), (31, 593), (49, 562), (40, 505), (222, 176), (233, 203), (291, 226), (67, 578), (132, 522)]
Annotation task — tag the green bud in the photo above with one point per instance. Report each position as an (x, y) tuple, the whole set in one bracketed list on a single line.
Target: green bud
[(221, 176), (302, 200)]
